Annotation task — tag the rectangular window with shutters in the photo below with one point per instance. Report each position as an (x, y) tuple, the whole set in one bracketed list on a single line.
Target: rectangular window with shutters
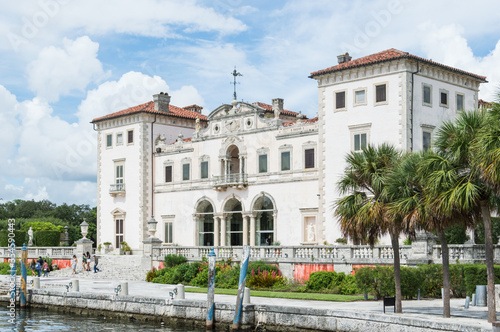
[(285, 161), (168, 173), (360, 97), (339, 100), (168, 232), (443, 98), (130, 137), (204, 169), (119, 139), (460, 102), (381, 93), (263, 163), (360, 141), (119, 174), (426, 140), (185, 172), (426, 95), (309, 158), (118, 232)]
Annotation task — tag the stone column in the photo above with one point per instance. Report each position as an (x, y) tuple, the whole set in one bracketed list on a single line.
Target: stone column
[(241, 165), (223, 230), (196, 218), (228, 168), (470, 233), (252, 230), (275, 226), (245, 230), (216, 231)]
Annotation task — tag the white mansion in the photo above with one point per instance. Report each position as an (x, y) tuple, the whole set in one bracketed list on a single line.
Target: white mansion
[(257, 173)]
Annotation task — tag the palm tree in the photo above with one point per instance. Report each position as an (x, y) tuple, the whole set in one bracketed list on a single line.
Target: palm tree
[(363, 211), (415, 187), (466, 191)]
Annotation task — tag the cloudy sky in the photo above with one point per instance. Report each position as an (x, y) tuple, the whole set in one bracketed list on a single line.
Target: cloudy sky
[(64, 62)]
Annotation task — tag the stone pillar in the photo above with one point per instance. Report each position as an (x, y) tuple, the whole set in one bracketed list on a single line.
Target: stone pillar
[(196, 218), (275, 226), (241, 165), (245, 230), (252, 230), (223, 230), (83, 245), (470, 234), (228, 168), (216, 231), (148, 245)]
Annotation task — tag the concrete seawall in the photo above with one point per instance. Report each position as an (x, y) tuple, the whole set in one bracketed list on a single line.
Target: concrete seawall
[(255, 316)]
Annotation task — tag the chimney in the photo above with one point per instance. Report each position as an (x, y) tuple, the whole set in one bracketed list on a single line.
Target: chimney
[(162, 101), (344, 58), (277, 106)]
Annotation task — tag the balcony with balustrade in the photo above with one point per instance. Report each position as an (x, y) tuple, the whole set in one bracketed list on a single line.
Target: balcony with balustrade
[(235, 180), (117, 189)]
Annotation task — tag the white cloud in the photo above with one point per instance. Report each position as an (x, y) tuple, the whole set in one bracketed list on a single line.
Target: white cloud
[(132, 89), (58, 71), (447, 45), (24, 27)]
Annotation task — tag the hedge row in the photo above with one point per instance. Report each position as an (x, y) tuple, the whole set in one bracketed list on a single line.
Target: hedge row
[(40, 238), (338, 283), (20, 238), (379, 280), (259, 275)]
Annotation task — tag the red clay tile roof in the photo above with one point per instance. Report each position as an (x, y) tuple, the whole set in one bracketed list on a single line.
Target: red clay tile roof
[(149, 107), (269, 108), (291, 123), (387, 55)]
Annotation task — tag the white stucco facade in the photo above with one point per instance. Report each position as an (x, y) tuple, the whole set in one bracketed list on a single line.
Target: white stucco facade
[(258, 174)]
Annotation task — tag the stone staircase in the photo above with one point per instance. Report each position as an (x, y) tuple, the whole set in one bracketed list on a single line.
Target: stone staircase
[(118, 267)]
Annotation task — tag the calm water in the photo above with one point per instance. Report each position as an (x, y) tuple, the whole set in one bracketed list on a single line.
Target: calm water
[(46, 320)]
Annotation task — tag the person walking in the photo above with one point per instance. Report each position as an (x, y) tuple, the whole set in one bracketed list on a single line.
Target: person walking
[(96, 261), (33, 268), (88, 261), (46, 269), (73, 263), (39, 268), (84, 261)]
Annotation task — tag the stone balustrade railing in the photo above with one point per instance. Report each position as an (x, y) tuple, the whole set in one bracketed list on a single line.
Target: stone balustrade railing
[(35, 252), (337, 254), (348, 254)]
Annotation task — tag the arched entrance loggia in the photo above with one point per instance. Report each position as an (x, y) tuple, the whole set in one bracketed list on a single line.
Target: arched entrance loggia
[(233, 218)]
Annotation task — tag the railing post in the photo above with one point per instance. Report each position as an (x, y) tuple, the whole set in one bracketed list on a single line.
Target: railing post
[(24, 276), (211, 290), (241, 288)]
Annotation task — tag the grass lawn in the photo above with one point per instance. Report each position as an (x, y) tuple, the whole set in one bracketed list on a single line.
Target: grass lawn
[(283, 295)]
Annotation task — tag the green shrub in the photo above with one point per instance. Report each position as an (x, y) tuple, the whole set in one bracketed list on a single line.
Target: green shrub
[(174, 260), (411, 281), (41, 226), (320, 280), (261, 266), (348, 285), (20, 238), (433, 279), (201, 279), (457, 280), (47, 238), (384, 281), (151, 275), (364, 279), (227, 276), (6, 270), (264, 279)]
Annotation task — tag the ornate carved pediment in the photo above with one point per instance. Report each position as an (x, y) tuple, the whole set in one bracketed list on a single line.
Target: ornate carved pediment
[(233, 140)]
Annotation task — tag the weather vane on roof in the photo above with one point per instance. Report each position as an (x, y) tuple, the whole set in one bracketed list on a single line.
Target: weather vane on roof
[(235, 73)]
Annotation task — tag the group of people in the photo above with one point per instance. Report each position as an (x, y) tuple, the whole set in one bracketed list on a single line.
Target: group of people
[(86, 259), (39, 266)]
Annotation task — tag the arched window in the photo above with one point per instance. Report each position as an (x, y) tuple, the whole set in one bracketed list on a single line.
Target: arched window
[(264, 223), (234, 222), (205, 214)]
